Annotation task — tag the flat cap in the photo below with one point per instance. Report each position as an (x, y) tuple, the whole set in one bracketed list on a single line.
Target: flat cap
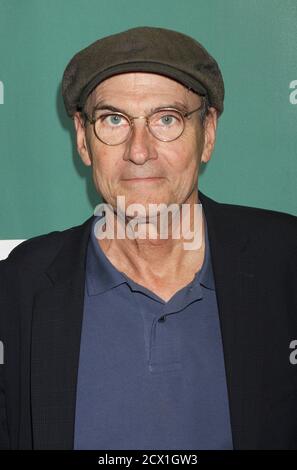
[(143, 49)]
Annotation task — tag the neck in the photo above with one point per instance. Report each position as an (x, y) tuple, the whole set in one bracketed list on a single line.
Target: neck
[(160, 257)]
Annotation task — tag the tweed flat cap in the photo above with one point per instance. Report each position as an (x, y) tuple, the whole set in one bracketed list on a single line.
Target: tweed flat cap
[(143, 49)]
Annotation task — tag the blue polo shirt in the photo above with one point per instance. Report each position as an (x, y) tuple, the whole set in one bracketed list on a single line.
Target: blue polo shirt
[(151, 373)]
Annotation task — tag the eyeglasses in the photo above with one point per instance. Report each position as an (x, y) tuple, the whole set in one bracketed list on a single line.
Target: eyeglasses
[(115, 128)]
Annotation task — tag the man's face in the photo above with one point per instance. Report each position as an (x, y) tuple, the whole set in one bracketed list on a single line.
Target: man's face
[(175, 164)]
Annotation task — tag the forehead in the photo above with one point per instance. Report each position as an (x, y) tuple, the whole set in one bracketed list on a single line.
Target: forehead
[(133, 85)]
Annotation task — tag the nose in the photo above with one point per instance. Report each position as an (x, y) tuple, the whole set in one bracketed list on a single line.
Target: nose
[(140, 145)]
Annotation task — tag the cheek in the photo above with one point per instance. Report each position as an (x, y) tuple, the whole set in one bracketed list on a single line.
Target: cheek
[(104, 173), (185, 156), (107, 169)]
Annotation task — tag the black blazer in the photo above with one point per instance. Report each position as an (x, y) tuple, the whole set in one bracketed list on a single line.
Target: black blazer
[(254, 254)]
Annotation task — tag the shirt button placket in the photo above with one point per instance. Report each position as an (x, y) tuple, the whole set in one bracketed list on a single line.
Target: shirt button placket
[(159, 320)]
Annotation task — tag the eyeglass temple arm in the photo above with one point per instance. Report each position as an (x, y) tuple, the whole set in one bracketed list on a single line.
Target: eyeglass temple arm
[(193, 111)]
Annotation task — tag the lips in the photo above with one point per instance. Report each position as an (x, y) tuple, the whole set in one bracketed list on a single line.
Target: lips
[(142, 178)]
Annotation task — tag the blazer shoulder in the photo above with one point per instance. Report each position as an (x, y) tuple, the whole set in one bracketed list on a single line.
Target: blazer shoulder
[(261, 220), (40, 250)]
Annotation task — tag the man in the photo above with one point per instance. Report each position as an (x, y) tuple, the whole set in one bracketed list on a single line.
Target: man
[(139, 343)]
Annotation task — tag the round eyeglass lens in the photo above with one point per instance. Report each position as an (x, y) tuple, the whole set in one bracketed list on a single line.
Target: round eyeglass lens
[(166, 125), (112, 128)]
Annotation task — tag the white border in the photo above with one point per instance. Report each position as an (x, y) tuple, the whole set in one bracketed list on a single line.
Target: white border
[(6, 246)]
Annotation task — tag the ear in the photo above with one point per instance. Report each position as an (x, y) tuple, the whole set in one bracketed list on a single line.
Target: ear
[(210, 126), (81, 141)]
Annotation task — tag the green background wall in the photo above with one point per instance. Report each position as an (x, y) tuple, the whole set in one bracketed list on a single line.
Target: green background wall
[(44, 185)]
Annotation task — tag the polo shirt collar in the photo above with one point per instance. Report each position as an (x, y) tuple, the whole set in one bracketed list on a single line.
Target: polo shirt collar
[(102, 275)]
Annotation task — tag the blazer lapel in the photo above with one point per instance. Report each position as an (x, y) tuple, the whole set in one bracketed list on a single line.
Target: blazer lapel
[(56, 329), (234, 272)]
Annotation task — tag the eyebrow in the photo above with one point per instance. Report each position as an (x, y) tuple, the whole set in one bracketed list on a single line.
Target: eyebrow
[(175, 104)]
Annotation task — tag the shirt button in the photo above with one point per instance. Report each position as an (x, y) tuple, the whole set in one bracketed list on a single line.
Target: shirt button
[(162, 319)]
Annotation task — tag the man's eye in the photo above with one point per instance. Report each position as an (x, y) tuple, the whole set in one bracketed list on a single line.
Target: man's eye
[(112, 119), (167, 119)]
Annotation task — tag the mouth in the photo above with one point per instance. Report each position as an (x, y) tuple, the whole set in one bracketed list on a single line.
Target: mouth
[(143, 180)]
